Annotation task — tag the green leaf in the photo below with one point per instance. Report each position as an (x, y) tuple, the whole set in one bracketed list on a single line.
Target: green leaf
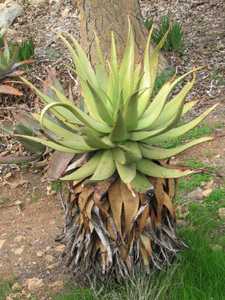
[(83, 117), (48, 143), (140, 183), (102, 77), (151, 60), (56, 128), (155, 108), (127, 65), (119, 132), (132, 151), (60, 112), (173, 109), (126, 172), (80, 59), (119, 155), (147, 81), (94, 140), (150, 168), (179, 131), (156, 153), (86, 170), (31, 146), (188, 106), (105, 168), (130, 112), (114, 60), (63, 136), (100, 101)]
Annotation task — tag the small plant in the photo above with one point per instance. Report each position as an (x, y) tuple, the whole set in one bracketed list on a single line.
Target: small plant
[(12, 57), (25, 50), (120, 216), (175, 39), (148, 23)]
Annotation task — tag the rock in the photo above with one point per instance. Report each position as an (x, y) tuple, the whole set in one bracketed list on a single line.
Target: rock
[(182, 212), (34, 284), (18, 238), (216, 247), (19, 251), (65, 12), (9, 11), (60, 248), (49, 258), (2, 242), (221, 213), (40, 253), (37, 2), (196, 195), (57, 286), (182, 223), (52, 266), (207, 192), (16, 287)]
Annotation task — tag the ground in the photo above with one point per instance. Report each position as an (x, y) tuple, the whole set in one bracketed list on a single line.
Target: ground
[(31, 216)]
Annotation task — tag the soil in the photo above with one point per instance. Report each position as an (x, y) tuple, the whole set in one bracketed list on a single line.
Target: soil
[(30, 219)]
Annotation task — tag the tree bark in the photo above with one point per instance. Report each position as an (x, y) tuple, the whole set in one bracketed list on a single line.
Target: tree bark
[(104, 16)]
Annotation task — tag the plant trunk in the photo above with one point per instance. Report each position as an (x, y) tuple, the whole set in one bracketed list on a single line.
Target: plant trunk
[(106, 16), (110, 232)]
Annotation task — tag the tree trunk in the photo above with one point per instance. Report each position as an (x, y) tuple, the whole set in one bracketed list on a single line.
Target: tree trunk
[(106, 16)]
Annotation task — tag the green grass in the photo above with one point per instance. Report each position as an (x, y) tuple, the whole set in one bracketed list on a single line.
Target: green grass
[(204, 216), (5, 288), (76, 294), (191, 163), (195, 181), (188, 184)]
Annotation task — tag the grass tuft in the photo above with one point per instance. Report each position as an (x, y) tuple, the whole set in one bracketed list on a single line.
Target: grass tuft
[(175, 38), (5, 288)]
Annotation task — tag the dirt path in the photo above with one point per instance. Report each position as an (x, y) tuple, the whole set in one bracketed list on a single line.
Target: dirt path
[(29, 223)]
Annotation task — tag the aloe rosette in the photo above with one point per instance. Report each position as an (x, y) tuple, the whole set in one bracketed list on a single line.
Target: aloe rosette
[(9, 68), (122, 128)]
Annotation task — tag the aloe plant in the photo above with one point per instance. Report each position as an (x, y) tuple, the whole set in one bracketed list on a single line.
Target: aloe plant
[(12, 58), (120, 215)]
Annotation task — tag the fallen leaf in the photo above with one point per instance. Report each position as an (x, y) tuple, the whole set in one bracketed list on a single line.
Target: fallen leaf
[(2, 242)]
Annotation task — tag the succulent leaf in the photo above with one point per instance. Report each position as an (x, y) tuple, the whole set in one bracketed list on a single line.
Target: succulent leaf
[(106, 167), (155, 153), (150, 168), (86, 170), (181, 130), (126, 172), (140, 183)]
